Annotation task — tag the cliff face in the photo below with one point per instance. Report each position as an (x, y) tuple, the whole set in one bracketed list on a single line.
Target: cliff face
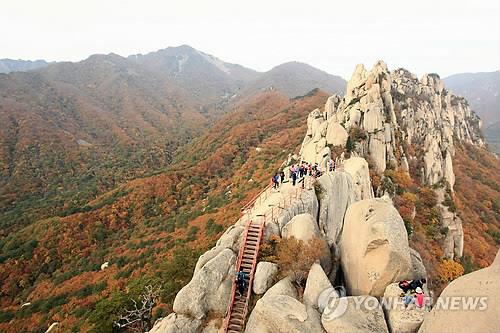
[(396, 118), (398, 122)]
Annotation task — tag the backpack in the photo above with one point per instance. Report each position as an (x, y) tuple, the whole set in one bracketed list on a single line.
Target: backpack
[(403, 284)]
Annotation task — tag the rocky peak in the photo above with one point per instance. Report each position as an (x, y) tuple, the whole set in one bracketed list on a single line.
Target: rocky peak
[(396, 117)]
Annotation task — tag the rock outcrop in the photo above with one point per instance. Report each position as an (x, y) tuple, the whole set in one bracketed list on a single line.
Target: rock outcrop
[(468, 304), (374, 247), (306, 203), (337, 193), (210, 288), (357, 167), (361, 314), (175, 323), (265, 275), (302, 227), (279, 311), (316, 283)]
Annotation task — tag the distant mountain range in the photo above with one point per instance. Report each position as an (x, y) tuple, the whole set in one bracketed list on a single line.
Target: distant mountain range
[(108, 119), (10, 65), (482, 90)]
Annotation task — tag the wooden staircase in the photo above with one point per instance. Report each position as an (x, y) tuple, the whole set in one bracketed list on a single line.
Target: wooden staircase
[(247, 260)]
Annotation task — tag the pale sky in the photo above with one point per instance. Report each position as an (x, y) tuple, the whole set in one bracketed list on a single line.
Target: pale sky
[(442, 36)]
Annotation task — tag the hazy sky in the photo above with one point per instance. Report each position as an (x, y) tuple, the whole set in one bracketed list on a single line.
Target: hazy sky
[(443, 36)]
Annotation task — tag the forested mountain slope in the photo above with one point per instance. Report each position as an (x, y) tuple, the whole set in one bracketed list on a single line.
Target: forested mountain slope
[(137, 228)]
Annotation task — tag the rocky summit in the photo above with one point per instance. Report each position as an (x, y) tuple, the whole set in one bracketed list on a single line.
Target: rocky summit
[(387, 121)]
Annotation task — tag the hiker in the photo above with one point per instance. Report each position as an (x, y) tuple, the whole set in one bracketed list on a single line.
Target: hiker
[(414, 297), (411, 285), (294, 178), (330, 165), (419, 299), (276, 181), (241, 282), (310, 169), (282, 175)]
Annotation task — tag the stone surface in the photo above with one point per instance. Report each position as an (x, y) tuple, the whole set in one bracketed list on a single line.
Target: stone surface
[(283, 287), (302, 227), (401, 319), (316, 283), (232, 238), (357, 167), (459, 318), (214, 326), (280, 311), (265, 275), (418, 270), (283, 314), (210, 288), (374, 247), (306, 203), (337, 193), (430, 115), (368, 317), (336, 135), (175, 323)]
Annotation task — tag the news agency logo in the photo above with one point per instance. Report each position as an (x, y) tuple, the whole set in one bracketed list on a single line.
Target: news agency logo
[(332, 303)]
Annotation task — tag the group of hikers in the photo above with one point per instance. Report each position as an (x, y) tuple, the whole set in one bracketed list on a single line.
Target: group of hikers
[(297, 172), (413, 292)]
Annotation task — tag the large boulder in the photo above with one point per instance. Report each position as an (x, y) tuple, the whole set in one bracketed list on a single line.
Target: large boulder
[(232, 238), (175, 323), (399, 318), (283, 287), (357, 167), (336, 135), (279, 310), (316, 283), (307, 202), (265, 275), (302, 227), (360, 314), (473, 301), (283, 314), (210, 288), (374, 247), (337, 193)]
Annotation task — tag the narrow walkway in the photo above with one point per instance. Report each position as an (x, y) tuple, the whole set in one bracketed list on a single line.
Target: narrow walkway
[(265, 207), (247, 260)]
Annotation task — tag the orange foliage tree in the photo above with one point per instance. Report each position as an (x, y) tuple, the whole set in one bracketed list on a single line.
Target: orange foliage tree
[(295, 257), (449, 270)]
